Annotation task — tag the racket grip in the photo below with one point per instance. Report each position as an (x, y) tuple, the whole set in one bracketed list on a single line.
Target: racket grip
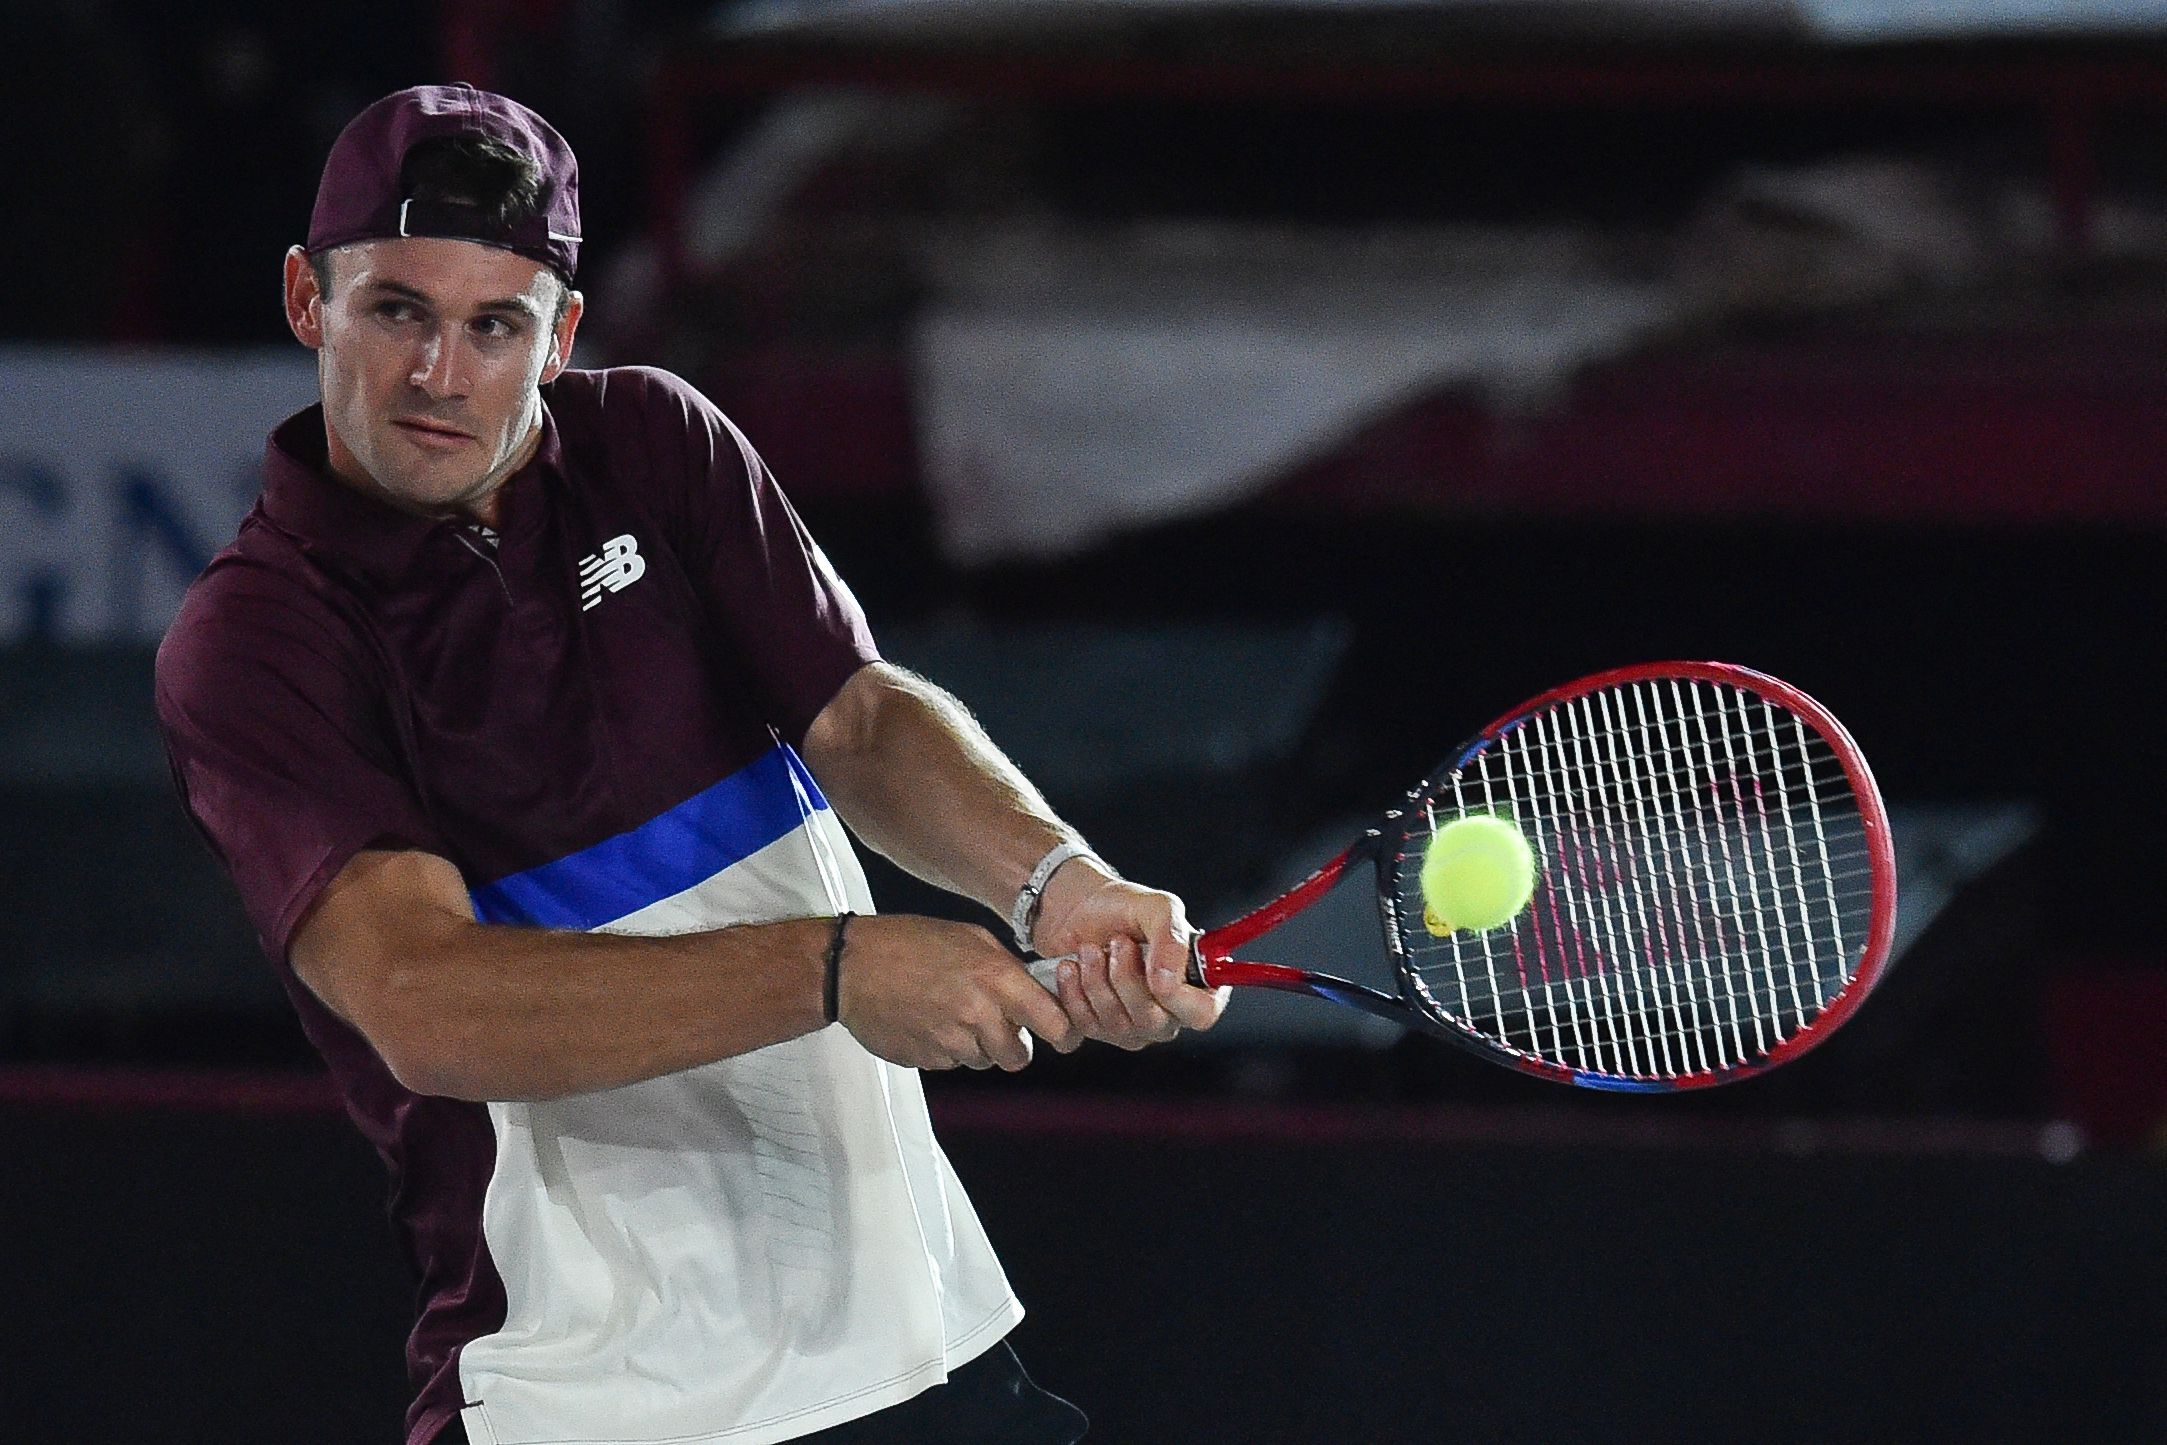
[(1044, 969)]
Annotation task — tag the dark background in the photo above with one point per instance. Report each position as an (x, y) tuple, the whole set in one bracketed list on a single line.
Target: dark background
[(1937, 509)]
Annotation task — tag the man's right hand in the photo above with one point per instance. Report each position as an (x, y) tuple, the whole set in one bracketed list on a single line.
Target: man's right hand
[(930, 994)]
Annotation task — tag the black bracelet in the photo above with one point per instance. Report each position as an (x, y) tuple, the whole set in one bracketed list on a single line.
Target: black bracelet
[(832, 987)]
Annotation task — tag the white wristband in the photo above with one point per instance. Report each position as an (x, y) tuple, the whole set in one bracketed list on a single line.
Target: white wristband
[(1024, 915)]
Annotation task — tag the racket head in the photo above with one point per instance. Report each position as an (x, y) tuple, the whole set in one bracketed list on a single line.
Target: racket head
[(1715, 887)]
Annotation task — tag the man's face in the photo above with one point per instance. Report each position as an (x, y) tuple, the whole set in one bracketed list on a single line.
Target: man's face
[(429, 353)]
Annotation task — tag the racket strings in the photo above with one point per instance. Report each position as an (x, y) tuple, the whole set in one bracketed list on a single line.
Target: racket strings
[(1703, 882)]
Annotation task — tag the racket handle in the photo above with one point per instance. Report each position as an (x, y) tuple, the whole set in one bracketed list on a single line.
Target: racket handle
[(1043, 969)]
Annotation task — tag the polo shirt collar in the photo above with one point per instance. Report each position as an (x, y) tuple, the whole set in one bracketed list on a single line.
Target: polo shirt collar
[(303, 499)]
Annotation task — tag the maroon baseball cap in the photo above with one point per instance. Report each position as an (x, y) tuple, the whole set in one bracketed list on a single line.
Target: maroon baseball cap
[(361, 199)]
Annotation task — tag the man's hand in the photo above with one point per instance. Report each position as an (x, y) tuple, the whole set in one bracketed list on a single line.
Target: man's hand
[(1129, 984), (930, 994), (914, 776)]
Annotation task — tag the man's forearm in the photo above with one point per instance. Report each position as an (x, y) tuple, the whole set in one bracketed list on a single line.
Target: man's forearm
[(493, 1011), (499, 1012), (915, 776)]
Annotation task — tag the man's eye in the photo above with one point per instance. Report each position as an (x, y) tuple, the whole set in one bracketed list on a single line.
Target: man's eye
[(495, 327), (395, 311)]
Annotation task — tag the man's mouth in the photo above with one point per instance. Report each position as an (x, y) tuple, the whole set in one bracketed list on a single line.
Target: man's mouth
[(432, 434)]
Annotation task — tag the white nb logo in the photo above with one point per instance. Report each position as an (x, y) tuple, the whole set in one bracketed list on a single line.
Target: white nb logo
[(617, 566)]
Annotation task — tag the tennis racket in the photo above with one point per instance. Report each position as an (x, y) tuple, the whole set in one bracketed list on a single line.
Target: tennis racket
[(1714, 892)]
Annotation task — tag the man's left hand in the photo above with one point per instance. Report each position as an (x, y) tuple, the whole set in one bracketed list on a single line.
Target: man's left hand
[(1128, 984)]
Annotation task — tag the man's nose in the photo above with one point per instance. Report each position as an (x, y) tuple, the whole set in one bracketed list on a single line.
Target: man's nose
[(440, 366)]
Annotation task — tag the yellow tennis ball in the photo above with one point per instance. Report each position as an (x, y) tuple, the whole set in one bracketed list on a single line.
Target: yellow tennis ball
[(1477, 873)]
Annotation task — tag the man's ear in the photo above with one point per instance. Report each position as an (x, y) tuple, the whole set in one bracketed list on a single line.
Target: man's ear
[(560, 340), (304, 300)]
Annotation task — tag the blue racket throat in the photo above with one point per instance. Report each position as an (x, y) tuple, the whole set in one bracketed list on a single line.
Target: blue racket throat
[(1355, 996)]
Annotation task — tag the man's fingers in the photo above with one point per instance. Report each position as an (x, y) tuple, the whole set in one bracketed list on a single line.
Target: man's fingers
[(1096, 968), (1125, 970), (1167, 947), (1194, 1008), (1068, 987), (963, 1047), (1005, 1047), (1025, 1002)]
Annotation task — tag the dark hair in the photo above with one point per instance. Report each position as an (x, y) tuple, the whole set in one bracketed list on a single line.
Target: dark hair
[(499, 183), (501, 186)]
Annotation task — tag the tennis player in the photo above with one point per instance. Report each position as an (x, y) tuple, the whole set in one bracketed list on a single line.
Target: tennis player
[(522, 711)]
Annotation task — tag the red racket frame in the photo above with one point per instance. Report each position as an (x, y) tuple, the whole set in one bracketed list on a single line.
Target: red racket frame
[(1212, 963)]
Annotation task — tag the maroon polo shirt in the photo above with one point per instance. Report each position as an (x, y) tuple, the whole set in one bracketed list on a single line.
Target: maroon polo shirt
[(646, 640)]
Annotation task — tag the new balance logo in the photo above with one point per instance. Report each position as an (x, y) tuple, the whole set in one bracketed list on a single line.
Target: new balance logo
[(617, 566)]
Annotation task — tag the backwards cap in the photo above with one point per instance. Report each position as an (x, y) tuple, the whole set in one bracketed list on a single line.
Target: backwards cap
[(360, 197)]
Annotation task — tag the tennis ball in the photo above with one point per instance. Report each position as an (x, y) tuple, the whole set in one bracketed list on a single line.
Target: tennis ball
[(1477, 873)]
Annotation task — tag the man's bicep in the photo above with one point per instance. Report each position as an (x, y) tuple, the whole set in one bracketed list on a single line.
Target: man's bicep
[(383, 909)]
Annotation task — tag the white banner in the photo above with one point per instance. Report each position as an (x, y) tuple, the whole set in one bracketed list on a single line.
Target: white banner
[(121, 473), (1072, 385)]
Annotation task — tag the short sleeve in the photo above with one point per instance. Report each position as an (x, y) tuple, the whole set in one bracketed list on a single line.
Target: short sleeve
[(767, 585), (278, 751)]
